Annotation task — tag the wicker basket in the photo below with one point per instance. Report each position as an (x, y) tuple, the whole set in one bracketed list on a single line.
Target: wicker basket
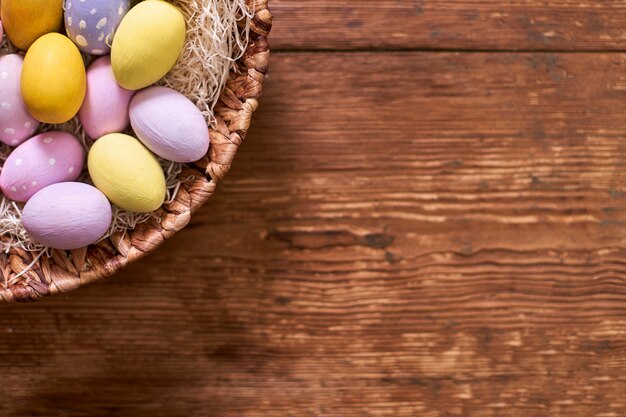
[(67, 270)]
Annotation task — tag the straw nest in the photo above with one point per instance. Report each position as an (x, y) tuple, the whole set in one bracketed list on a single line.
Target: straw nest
[(221, 70)]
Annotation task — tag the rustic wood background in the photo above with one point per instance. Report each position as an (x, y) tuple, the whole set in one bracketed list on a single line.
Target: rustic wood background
[(428, 219)]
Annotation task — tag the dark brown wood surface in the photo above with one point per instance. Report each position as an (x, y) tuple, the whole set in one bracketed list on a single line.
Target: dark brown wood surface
[(450, 24), (414, 227)]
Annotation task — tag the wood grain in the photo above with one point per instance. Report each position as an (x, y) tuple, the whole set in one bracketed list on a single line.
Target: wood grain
[(457, 24), (432, 234)]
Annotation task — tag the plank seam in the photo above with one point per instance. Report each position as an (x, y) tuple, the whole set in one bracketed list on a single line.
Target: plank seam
[(444, 50)]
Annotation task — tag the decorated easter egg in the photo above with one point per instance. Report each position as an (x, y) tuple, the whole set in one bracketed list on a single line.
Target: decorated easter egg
[(53, 79), (67, 215), (91, 24), (127, 173), (26, 20), (169, 124), (1, 31), (45, 159), (147, 43), (16, 124), (106, 104)]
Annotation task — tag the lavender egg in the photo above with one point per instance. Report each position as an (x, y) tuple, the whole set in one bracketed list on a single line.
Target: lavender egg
[(106, 105), (43, 160), (68, 215), (16, 124), (169, 124), (91, 24)]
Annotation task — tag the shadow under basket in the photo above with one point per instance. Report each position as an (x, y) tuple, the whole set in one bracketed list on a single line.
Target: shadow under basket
[(68, 270)]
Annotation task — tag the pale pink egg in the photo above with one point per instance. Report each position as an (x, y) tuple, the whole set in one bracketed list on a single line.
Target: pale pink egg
[(105, 109), (16, 124), (43, 160)]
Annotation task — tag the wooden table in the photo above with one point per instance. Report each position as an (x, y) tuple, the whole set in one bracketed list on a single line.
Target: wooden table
[(427, 219)]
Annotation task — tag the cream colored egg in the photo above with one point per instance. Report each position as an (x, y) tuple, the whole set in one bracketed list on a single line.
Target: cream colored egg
[(127, 173), (53, 82), (147, 43)]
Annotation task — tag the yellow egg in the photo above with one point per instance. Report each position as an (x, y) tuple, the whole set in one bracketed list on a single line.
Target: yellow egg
[(127, 173), (147, 44), (53, 80), (26, 20)]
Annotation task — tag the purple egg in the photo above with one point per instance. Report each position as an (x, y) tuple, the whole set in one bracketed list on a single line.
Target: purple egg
[(68, 215), (91, 24), (169, 124), (105, 109), (43, 160), (16, 124)]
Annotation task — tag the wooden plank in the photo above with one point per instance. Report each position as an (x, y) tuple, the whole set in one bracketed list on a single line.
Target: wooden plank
[(459, 24), (424, 234)]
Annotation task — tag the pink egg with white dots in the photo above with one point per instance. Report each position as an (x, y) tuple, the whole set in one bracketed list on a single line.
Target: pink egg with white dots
[(45, 159), (16, 124)]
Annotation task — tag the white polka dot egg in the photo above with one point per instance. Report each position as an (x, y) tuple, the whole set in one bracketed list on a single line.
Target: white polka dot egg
[(91, 24), (16, 124), (45, 159)]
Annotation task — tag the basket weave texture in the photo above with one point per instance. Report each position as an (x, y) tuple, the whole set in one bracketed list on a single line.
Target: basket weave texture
[(68, 270)]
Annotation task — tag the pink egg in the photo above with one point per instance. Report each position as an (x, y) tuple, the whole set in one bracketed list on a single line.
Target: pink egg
[(16, 124), (45, 159), (169, 124), (68, 215), (105, 109)]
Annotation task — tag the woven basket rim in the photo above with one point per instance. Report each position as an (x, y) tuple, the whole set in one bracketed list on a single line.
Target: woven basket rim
[(68, 270)]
